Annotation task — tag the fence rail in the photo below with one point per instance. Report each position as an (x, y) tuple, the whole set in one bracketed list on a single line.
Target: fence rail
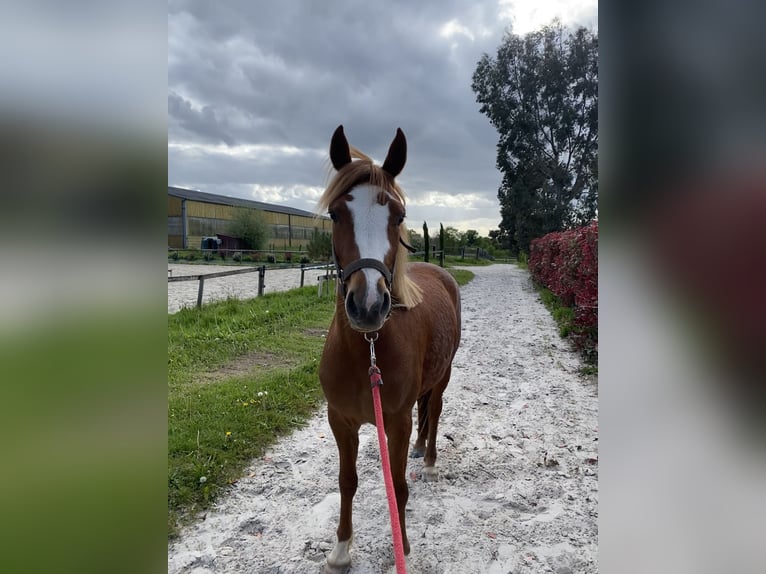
[(261, 270), (202, 276)]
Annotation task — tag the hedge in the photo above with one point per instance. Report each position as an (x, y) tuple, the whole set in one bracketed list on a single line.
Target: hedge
[(566, 263)]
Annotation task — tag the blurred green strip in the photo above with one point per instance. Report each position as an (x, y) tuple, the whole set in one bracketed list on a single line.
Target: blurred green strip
[(82, 417)]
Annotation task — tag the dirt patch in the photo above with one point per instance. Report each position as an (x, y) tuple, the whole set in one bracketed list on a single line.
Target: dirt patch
[(518, 453), (316, 332), (245, 365)]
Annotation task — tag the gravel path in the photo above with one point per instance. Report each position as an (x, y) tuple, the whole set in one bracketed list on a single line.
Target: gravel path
[(518, 453), (184, 293)]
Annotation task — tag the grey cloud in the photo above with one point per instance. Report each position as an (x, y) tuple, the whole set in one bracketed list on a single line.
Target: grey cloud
[(204, 123), (286, 73)]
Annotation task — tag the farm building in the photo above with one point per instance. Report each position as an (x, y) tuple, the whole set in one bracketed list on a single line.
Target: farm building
[(194, 215)]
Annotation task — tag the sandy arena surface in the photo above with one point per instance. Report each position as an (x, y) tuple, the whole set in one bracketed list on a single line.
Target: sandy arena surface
[(517, 452), (184, 293)]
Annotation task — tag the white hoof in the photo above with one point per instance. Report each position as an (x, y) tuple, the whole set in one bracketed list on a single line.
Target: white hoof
[(430, 473), (340, 557)]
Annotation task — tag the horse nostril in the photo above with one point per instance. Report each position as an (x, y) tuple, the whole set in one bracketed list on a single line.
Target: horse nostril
[(351, 307), (386, 302)]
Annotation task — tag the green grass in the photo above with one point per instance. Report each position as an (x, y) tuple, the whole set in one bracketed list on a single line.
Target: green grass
[(221, 417), (564, 316), (462, 276), (565, 319), (454, 260)]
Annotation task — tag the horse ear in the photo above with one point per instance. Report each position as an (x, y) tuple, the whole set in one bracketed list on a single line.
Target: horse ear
[(340, 154), (397, 154)]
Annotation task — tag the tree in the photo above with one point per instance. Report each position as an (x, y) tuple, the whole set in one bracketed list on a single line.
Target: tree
[(541, 94), (470, 237), (453, 237), (416, 240), (441, 237), (426, 245), (249, 225)]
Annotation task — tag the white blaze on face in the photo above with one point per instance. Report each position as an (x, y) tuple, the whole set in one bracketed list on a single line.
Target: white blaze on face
[(370, 220)]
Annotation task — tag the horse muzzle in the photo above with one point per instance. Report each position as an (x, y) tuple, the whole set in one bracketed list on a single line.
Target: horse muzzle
[(368, 302)]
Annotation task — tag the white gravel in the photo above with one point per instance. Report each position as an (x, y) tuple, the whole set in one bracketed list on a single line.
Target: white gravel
[(517, 450)]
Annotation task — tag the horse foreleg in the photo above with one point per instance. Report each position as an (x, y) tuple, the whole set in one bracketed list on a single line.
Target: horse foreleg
[(347, 439), (398, 430)]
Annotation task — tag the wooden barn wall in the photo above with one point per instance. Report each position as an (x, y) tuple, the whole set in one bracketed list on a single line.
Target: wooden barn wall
[(174, 206), (209, 210), (176, 241), (208, 219), (175, 225)]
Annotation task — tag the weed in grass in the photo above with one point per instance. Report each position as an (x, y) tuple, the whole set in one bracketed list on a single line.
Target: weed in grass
[(589, 370)]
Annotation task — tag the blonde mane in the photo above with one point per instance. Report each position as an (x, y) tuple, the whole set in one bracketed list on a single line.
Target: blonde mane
[(404, 291)]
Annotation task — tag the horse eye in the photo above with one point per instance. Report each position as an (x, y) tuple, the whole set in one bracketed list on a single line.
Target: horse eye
[(333, 216), (400, 220)]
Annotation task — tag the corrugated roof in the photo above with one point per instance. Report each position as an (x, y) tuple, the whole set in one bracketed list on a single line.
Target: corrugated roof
[(236, 201)]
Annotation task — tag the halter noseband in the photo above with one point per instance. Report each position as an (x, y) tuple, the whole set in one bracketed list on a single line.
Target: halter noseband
[(366, 263)]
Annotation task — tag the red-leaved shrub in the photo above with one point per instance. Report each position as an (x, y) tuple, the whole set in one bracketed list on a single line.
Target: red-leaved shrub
[(566, 262)]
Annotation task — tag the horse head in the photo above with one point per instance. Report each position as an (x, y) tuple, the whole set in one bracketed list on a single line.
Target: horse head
[(367, 209)]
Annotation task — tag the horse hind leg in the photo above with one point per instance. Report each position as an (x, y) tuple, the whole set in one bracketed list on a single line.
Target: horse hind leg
[(347, 439), (430, 472), (419, 449)]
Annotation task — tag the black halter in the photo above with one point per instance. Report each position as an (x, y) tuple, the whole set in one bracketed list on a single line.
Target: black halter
[(366, 263)]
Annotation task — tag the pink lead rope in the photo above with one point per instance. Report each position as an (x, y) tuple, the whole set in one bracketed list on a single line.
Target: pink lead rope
[(376, 381)]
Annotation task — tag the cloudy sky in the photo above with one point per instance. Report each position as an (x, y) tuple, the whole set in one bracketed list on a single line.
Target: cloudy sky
[(255, 90)]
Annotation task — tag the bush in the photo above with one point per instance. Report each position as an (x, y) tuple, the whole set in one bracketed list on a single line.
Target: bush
[(191, 256), (271, 258), (305, 259), (288, 257), (250, 226), (567, 263), (237, 256), (320, 246), (174, 255)]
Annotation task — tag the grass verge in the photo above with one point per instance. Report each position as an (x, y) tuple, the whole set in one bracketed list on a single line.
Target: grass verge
[(216, 426), (565, 319), (462, 276), (451, 260), (564, 316)]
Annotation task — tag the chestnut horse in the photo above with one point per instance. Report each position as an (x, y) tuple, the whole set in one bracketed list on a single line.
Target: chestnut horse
[(414, 308)]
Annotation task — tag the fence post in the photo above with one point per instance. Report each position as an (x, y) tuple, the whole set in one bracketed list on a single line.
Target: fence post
[(303, 272), (261, 279), (199, 291), (477, 254), (441, 258)]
